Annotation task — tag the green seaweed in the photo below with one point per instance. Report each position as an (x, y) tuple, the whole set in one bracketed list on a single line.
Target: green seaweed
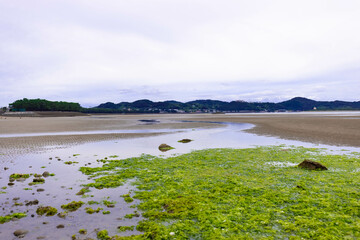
[(103, 235), (89, 210), (19, 175), (72, 206), (47, 210), (125, 228), (70, 162), (254, 193), (127, 198), (7, 218)]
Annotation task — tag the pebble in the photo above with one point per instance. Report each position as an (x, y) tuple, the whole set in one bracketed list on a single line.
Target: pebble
[(20, 233)]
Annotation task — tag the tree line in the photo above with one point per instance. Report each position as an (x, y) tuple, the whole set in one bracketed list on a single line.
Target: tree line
[(44, 105)]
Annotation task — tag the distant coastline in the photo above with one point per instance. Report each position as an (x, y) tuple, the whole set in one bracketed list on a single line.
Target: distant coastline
[(49, 108)]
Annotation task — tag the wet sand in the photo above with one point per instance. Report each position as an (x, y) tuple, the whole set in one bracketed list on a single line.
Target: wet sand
[(317, 128), (322, 128)]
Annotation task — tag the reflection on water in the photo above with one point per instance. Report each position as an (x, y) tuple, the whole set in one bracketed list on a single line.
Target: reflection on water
[(62, 187)]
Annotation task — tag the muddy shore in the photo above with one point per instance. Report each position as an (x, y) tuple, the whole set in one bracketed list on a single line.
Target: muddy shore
[(332, 129)]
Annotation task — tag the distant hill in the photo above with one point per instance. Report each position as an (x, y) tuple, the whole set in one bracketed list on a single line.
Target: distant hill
[(200, 106), (295, 104)]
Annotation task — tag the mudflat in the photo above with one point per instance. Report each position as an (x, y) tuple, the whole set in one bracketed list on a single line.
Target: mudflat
[(342, 129)]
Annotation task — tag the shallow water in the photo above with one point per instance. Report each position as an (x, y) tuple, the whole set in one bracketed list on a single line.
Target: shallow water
[(62, 188)]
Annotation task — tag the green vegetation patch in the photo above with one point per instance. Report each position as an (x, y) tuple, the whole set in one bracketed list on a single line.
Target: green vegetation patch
[(125, 228), (90, 210), (103, 235), (127, 198), (19, 175), (254, 193), (83, 191), (72, 206), (70, 162), (8, 218), (47, 210)]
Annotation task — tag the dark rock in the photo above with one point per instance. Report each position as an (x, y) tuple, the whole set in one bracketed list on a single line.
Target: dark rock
[(185, 140), (38, 180), (21, 179), (46, 174), (11, 184), (30, 203), (20, 233), (164, 147), (62, 215), (40, 190), (60, 226), (312, 165)]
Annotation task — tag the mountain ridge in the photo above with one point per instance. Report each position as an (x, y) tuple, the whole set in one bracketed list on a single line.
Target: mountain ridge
[(209, 105)]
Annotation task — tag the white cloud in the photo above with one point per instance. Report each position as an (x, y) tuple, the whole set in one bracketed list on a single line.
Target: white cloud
[(58, 48)]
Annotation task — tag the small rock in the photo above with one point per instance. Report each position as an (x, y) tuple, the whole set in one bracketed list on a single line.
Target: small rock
[(38, 180), (20, 233), (30, 203), (11, 184), (185, 140), (40, 190), (60, 226), (164, 147), (46, 174), (311, 165), (62, 215)]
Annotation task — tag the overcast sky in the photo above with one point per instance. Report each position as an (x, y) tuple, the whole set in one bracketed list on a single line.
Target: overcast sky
[(95, 51)]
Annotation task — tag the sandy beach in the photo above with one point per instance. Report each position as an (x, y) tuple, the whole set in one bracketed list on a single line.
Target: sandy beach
[(332, 129)]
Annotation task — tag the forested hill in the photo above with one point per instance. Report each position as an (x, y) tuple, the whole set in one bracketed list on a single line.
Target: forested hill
[(295, 104), (147, 106)]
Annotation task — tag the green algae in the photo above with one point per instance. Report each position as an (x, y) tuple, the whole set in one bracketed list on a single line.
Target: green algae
[(254, 193), (127, 198), (90, 210), (72, 206), (103, 235), (8, 218), (92, 202), (70, 162), (83, 191), (125, 228), (108, 203), (47, 210), (19, 175)]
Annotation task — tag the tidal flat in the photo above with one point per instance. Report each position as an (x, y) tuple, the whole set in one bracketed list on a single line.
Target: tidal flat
[(224, 183)]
